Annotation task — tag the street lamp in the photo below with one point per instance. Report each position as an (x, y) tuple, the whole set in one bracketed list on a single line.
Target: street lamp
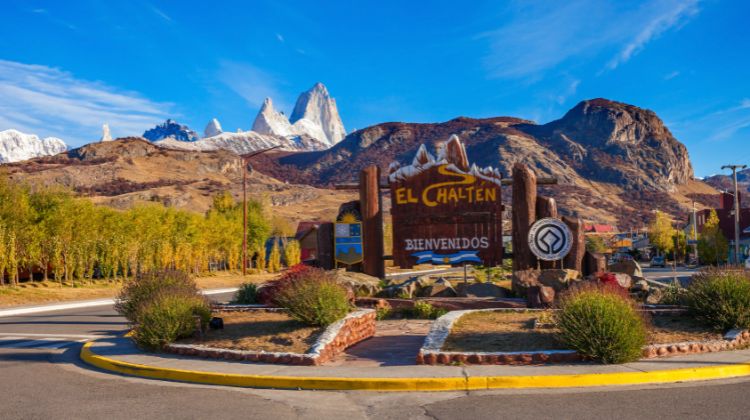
[(246, 167)]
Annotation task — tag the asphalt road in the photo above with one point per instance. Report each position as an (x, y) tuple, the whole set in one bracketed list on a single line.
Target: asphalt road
[(51, 383), (666, 275)]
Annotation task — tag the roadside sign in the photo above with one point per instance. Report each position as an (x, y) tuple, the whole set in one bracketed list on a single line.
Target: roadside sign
[(550, 239)]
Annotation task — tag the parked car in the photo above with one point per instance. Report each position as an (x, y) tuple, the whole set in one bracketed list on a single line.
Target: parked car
[(659, 261)]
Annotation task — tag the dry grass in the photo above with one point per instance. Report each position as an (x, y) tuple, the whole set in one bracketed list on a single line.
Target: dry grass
[(510, 331), (674, 329), (38, 292), (499, 332), (48, 292), (260, 331)]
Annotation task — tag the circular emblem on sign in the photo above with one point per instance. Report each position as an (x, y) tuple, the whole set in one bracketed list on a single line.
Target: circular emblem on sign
[(550, 239)]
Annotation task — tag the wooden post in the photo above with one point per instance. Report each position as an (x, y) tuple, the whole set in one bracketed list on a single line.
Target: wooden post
[(325, 246), (546, 207), (524, 215), (574, 259), (372, 221)]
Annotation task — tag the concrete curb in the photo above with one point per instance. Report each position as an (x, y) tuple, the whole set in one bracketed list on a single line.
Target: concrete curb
[(459, 383)]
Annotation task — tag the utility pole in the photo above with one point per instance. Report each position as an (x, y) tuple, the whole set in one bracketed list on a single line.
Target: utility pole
[(695, 234), (736, 210), (244, 203)]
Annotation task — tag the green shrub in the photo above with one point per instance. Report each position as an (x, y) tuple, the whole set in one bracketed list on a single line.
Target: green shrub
[(673, 294), (425, 310), (382, 313), (720, 298), (601, 323), (137, 293), (315, 298), (247, 294), (167, 318)]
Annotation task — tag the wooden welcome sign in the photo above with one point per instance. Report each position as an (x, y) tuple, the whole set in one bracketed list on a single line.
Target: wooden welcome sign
[(445, 211)]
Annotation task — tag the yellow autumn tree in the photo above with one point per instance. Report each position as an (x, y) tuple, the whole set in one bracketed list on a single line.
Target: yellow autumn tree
[(274, 258), (292, 253), (661, 232), (713, 247)]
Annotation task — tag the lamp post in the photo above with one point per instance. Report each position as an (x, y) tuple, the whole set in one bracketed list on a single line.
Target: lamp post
[(245, 166)]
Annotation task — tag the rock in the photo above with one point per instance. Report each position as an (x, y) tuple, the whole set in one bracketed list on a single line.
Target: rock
[(654, 296), (640, 286), (480, 290), (360, 283), (441, 288), (594, 263), (558, 279), (623, 280), (407, 289), (629, 267), (540, 296), (522, 280)]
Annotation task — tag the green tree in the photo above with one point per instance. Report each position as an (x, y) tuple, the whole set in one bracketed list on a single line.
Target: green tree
[(660, 232), (679, 240), (713, 247)]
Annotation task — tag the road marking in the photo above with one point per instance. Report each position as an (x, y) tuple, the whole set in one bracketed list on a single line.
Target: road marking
[(23, 335), (33, 341), (85, 304)]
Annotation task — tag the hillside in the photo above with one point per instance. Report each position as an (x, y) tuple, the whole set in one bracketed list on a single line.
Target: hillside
[(615, 162), (130, 171)]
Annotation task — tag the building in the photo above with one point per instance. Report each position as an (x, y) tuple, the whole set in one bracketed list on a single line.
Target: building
[(725, 214)]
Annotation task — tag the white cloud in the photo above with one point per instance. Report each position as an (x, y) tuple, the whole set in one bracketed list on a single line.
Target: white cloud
[(543, 35), (160, 13), (671, 75), (280, 37), (51, 102), (673, 14), (251, 83), (569, 91)]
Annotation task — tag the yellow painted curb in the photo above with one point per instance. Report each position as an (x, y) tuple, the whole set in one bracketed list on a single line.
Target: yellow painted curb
[(416, 384)]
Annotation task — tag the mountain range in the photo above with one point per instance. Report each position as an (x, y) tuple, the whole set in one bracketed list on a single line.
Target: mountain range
[(614, 162), (16, 146)]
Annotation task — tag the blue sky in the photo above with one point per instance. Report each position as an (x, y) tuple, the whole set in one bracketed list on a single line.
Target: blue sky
[(67, 67)]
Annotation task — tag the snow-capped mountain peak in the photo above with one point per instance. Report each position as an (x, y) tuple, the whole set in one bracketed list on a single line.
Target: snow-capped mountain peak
[(106, 135), (213, 128), (270, 121), (317, 106), (16, 146)]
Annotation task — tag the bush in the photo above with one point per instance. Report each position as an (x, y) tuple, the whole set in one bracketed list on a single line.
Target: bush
[(425, 310), (268, 293), (247, 294), (720, 298), (602, 323), (314, 298), (167, 318), (138, 292)]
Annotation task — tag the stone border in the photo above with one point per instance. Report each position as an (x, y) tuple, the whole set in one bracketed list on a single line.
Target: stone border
[(355, 327), (431, 352)]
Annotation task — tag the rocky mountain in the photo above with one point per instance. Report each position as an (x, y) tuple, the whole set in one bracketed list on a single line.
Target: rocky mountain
[(17, 146), (725, 183), (132, 171), (245, 142), (316, 107), (213, 128), (171, 129), (315, 114), (272, 122), (106, 135), (614, 162)]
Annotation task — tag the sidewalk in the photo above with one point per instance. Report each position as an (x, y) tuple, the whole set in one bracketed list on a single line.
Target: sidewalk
[(59, 306), (119, 355)]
